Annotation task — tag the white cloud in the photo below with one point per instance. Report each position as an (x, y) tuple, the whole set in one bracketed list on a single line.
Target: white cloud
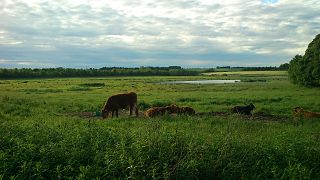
[(157, 32)]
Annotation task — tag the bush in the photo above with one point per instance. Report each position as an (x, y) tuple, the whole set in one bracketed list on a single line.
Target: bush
[(305, 70)]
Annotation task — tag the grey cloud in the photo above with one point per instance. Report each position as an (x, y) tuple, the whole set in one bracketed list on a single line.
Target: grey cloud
[(241, 33)]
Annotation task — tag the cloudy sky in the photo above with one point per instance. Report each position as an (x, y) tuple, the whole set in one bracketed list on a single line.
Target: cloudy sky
[(133, 33)]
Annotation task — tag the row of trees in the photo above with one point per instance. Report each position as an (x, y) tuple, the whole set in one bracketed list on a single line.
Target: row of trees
[(305, 70), (105, 71), (118, 71), (282, 67)]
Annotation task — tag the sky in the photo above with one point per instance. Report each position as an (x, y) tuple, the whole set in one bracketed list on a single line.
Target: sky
[(134, 33)]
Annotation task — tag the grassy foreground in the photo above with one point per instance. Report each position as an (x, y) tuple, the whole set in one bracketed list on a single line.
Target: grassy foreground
[(49, 131)]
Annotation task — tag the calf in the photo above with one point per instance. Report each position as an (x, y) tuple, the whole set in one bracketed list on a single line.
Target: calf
[(243, 109), (156, 111), (300, 112)]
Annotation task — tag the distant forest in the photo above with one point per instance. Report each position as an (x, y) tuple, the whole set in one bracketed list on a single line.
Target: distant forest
[(117, 71), (91, 72)]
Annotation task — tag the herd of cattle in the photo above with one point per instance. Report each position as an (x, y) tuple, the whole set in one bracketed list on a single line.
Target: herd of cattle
[(122, 101)]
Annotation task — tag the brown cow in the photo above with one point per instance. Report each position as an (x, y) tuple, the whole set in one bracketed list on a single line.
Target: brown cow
[(120, 101), (157, 111), (300, 112), (186, 110), (173, 108)]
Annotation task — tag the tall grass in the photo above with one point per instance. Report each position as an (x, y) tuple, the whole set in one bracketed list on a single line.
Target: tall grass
[(167, 147)]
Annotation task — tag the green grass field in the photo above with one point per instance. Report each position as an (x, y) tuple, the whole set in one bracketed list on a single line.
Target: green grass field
[(49, 129), (257, 73)]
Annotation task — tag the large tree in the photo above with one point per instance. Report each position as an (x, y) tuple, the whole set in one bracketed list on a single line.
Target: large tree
[(305, 70)]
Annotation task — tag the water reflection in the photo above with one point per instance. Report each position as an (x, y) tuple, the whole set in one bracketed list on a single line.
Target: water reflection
[(201, 82)]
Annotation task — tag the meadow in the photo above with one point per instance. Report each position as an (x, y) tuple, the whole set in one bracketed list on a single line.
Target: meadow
[(51, 129)]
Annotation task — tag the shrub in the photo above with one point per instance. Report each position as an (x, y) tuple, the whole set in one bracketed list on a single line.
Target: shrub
[(305, 70)]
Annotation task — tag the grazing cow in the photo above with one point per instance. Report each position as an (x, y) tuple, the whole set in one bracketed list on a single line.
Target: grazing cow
[(186, 110), (120, 101), (243, 109), (300, 112)]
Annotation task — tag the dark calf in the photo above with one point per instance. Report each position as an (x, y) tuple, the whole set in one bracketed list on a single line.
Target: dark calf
[(243, 109)]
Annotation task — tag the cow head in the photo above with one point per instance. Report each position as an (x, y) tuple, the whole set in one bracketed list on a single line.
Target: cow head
[(251, 106), (104, 113), (173, 108)]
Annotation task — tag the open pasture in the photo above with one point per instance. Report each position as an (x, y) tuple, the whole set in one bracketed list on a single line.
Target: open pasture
[(50, 129)]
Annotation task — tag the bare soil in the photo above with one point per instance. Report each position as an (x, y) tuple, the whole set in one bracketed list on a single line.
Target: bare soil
[(123, 113)]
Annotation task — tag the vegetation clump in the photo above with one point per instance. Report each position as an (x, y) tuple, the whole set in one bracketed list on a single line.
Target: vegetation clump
[(305, 70)]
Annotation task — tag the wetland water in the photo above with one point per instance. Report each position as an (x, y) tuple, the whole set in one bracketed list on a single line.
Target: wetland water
[(201, 82)]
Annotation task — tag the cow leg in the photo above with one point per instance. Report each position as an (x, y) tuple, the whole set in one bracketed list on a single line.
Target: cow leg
[(130, 109), (112, 113), (107, 114), (117, 113), (136, 111)]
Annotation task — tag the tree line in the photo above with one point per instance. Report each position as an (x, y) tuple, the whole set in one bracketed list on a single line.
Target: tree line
[(282, 67), (120, 71), (92, 72), (305, 70)]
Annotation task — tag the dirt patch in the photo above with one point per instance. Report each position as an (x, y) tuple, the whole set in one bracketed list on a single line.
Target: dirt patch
[(83, 114), (261, 116), (212, 114), (269, 117), (97, 115)]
